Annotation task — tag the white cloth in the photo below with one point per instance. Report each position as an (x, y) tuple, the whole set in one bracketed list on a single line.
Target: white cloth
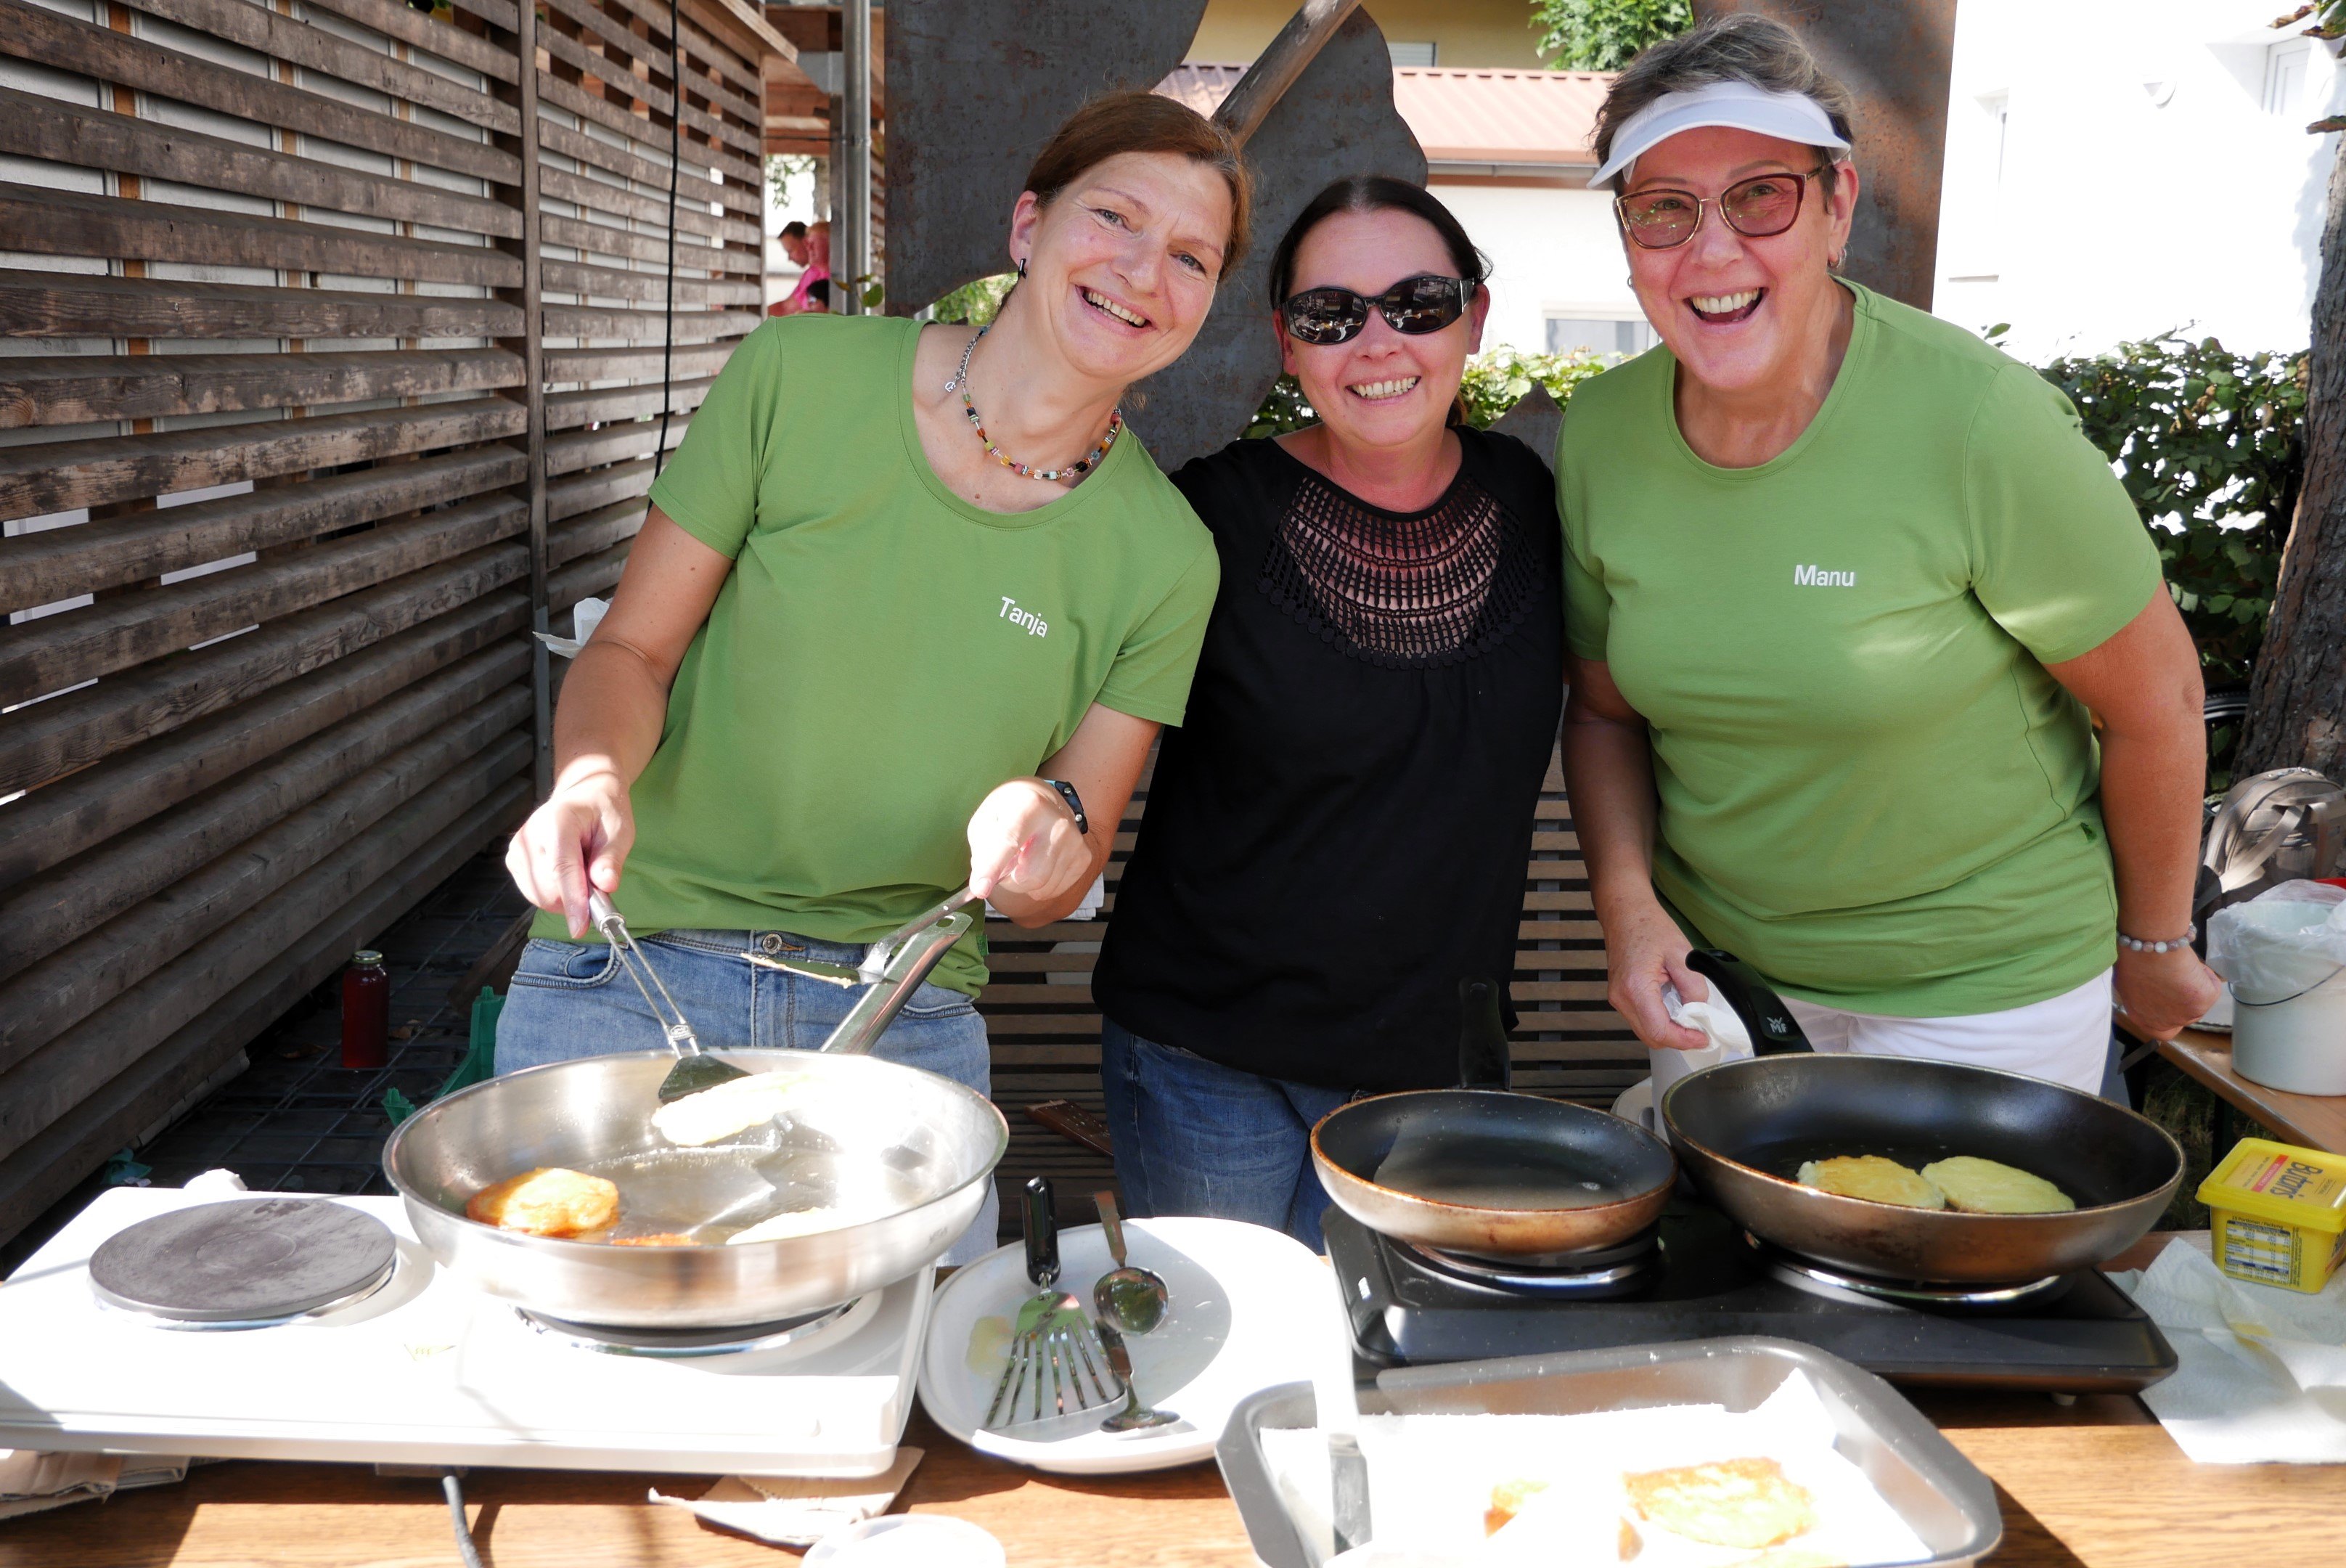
[(789, 1511), (585, 617), (2064, 1038), (31, 1481), (1793, 116), (2262, 1372)]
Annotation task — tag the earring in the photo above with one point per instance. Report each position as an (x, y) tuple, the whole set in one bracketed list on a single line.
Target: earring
[(1022, 268)]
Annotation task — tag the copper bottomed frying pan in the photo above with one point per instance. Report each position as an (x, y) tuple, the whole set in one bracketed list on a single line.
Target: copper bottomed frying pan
[(1480, 1170)]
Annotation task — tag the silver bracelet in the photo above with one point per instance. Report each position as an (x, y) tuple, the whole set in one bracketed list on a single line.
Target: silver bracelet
[(2135, 944)]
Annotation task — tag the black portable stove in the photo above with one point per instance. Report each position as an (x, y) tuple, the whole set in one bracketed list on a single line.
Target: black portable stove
[(1696, 1275)]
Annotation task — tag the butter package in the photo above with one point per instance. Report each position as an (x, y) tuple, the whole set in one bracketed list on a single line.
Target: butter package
[(2279, 1214)]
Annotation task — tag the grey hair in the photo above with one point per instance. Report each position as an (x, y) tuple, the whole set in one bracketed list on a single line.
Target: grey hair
[(1740, 46)]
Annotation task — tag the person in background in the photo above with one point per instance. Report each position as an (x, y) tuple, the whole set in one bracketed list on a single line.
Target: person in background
[(907, 612), (1337, 836), (1874, 680), (813, 296), (793, 238)]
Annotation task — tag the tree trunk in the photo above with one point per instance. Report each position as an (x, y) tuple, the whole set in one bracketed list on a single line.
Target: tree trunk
[(2297, 701)]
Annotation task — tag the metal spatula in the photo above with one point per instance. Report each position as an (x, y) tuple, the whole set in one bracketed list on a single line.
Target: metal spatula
[(695, 1069)]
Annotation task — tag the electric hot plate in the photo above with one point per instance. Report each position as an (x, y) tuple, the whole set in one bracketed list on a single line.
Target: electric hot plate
[(2075, 1333)]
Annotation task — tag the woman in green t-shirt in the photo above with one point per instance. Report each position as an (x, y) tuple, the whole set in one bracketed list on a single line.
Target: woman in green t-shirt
[(1848, 594), (872, 644)]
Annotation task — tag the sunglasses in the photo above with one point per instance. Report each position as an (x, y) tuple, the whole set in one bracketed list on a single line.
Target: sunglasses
[(1757, 208), (1425, 303)]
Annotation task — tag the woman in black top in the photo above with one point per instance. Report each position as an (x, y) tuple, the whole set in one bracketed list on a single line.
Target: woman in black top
[(1337, 835)]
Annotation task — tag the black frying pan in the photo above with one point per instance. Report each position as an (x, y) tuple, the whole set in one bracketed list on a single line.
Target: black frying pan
[(1480, 1170), (1744, 1128)]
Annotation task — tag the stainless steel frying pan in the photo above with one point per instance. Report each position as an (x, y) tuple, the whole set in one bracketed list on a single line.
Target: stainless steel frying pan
[(895, 1158)]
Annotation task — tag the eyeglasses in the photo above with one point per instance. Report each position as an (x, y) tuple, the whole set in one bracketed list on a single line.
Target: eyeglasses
[(1425, 303), (1757, 208)]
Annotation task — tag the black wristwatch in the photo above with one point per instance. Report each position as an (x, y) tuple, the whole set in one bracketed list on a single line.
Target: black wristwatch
[(1075, 803)]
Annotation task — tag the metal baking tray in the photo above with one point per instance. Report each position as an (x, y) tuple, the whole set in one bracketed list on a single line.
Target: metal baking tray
[(1942, 1495)]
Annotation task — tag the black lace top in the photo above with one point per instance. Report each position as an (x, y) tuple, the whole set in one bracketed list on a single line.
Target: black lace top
[(1339, 832)]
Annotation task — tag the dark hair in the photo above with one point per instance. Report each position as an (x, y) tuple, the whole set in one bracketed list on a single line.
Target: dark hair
[(794, 229), (1373, 193), (1740, 46), (1139, 121)]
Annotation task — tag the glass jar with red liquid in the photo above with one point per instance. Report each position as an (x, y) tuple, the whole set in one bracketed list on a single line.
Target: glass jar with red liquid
[(366, 1011)]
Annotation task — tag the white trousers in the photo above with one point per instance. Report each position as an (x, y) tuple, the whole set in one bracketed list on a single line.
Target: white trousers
[(2066, 1038)]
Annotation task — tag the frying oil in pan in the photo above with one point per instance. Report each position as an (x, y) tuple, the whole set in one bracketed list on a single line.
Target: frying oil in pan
[(1489, 1172), (707, 1194)]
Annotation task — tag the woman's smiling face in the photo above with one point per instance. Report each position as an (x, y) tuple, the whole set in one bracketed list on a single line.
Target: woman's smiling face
[(1738, 311), (1383, 388), (1121, 266)]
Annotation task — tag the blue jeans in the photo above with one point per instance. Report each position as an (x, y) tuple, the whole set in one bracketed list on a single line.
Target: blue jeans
[(572, 999), (1193, 1136)]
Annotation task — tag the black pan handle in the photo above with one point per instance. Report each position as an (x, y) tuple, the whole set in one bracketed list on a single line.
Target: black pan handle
[(1042, 1224), (1482, 1059), (1773, 1029)]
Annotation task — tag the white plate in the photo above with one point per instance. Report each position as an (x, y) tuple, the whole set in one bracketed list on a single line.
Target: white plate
[(1250, 1307)]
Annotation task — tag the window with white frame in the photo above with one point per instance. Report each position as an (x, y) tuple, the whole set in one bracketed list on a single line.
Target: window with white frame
[(1597, 334), (1411, 54), (2286, 66)]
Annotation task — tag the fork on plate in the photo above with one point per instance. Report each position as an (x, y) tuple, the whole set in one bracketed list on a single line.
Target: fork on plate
[(1053, 1368)]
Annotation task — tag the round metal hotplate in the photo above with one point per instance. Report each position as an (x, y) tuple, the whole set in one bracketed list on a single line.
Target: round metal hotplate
[(248, 1261), (1824, 1279), (1614, 1270), (728, 1340)]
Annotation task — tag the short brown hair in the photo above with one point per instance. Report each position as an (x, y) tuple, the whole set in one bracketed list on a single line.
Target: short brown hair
[(1740, 46), (1138, 121)]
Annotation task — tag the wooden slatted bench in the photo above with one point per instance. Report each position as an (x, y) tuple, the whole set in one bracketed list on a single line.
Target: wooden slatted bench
[(1044, 1026)]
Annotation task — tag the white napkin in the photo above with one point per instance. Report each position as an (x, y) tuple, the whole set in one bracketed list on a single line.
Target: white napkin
[(585, 617), (2262, 1373), (31, 1481), (1718, 1023), (1431, 1478), (789, 1511)]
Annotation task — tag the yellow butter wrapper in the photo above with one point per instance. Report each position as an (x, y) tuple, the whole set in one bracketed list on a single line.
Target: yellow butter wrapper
[(2279, 1214)]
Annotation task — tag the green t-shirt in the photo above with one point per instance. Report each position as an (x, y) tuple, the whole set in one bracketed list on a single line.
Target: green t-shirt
[(884, 653), (1870, 787)]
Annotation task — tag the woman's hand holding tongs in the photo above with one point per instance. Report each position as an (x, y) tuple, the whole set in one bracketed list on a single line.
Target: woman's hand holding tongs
[(581, 834), (1023, 840)]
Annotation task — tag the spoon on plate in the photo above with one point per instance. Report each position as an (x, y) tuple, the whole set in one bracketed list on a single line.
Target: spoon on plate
[(1133, 1299)]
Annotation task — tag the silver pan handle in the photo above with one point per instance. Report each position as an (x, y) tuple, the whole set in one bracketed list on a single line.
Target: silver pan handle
[(896, 967)]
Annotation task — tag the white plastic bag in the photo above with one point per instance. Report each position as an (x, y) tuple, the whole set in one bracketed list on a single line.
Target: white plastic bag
[(2281, 943)]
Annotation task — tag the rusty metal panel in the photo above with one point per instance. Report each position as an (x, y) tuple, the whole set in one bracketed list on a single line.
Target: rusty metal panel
[(1893, 56), (1337, 119), (975, 87)]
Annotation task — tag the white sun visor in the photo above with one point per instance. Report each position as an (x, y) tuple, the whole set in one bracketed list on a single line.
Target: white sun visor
[(1793, 116)]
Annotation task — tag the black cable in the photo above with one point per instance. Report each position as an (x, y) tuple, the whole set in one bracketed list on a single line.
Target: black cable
[(453, 1490), (675, 156)]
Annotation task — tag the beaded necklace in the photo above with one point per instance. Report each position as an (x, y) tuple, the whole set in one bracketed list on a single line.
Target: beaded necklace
[(1080, 466)]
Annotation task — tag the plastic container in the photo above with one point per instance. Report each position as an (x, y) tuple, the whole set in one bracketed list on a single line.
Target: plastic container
[(1942, 1495), (2278, 1213), (2284, 952), (366, 1011)]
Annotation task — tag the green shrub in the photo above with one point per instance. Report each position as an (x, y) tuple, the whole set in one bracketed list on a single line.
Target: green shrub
[(976, 301), (2210, 447), (1496, 379), (1604, 35)]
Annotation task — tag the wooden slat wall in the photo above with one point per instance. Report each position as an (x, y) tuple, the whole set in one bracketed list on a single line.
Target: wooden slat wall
[(1045, 1028), (330, 364)]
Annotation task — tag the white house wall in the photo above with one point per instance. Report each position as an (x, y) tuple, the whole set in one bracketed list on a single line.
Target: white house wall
[(1553, 251), (2114, 173)]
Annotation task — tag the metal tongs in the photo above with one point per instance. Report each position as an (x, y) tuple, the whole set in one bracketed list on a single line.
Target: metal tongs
[(695, 1069), (893, 969)]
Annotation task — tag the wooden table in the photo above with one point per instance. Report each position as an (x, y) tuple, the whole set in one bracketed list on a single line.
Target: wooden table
[(2096, 1483), (2313, 1121)]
